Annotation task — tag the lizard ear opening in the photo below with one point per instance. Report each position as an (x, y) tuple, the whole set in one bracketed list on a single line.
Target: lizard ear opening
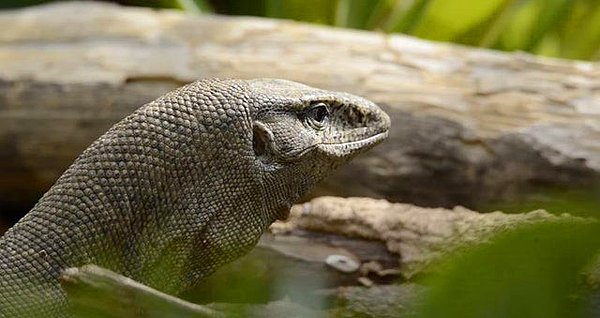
[(262, 138)]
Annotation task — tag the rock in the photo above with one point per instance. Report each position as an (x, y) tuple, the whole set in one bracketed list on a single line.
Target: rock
[(378, 301), (342, 263), (419, 236)]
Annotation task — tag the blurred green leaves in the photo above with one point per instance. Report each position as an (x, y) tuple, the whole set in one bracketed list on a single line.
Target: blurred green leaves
[(315, 11), (448, 20), (533, 271), (576, 200), (561, 28)]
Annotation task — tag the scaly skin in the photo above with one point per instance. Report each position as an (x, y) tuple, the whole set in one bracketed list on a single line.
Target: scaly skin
[(181, 186)]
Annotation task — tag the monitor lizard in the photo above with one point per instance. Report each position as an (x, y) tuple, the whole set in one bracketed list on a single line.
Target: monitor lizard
[(183, 185)]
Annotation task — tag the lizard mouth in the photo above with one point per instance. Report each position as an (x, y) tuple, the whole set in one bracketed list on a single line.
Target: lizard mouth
[(342, 149), (369, 140), (345, 148)]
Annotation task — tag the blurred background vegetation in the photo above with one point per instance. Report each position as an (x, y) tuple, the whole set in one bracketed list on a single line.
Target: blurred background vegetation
[(556, 28), (534, 271)]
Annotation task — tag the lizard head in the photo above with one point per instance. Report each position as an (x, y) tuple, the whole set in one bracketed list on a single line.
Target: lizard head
[(300, 133)]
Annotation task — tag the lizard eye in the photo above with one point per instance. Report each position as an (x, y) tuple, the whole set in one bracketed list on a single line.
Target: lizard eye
[(318, 116)]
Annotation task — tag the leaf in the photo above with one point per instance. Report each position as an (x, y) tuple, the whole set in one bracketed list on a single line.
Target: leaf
[(354, 13), (532, 22), (581, 33), (406, 15), (308, 10), (534, 271), (444, 20), (550, 14)]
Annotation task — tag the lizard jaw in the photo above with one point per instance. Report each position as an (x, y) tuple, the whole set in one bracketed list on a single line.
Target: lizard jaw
[(345, 148)]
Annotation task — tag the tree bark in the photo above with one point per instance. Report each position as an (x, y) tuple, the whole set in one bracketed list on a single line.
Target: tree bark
[(468, 124)]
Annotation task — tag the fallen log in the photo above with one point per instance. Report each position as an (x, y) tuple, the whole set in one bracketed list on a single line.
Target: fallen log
[(468, 124)]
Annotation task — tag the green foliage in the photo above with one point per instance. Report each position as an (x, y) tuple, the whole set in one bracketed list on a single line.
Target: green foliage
[(316, 11), (534, 26), (448, 20), (532, 271), (580, 201), (407, 16), (562, 28), (260, 277), (353, 13)]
